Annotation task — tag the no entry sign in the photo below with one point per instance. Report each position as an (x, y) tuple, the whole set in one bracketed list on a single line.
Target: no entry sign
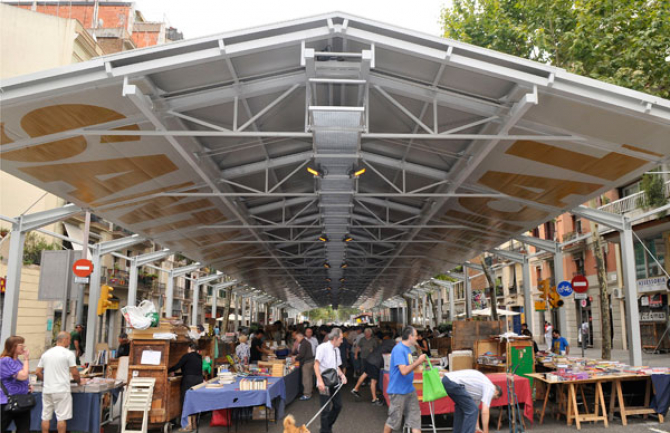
[(82, 268), (580, 284)]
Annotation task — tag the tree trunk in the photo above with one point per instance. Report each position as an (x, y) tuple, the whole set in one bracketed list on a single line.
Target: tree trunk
[(604, 298), (491, 290)]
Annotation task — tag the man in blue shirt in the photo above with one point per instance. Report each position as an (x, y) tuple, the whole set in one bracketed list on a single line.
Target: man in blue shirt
[(403, 400), (559, 344)]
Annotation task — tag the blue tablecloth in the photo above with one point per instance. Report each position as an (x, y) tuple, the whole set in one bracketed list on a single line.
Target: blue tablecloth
[(292, 382), (661, 400), (230, 396), (85, 408)]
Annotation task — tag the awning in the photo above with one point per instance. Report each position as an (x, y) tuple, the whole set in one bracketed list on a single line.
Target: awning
[(203, 146)]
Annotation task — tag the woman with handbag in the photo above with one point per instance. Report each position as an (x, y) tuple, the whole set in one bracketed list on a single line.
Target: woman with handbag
[(15, 383)]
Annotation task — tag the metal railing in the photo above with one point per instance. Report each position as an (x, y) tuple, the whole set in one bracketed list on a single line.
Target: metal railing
[(630, 202)]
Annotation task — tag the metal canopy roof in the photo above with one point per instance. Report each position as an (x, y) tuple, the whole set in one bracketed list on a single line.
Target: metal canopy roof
[(203, 145)]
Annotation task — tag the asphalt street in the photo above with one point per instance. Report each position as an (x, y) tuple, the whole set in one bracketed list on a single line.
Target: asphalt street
[(362, 416)]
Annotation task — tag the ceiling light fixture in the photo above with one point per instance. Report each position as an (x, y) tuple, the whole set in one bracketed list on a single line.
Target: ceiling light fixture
[(344, 265), (326, 265), (313, 172), (348, 239), (359, 172), (323, 238)]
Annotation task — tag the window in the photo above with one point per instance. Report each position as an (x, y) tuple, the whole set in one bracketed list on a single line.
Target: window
[(536, 232), (631, 189), (645, 265), (578, 227), (549, 230)]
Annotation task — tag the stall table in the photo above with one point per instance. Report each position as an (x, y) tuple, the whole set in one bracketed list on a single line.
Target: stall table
[(570, 402), (446, 405), (229, 396), (89, 404)]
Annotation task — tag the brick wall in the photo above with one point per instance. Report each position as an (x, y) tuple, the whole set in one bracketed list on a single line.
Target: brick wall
[(112, 16)]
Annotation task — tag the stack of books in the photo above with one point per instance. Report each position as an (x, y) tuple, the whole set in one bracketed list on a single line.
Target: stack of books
[(253, 384)]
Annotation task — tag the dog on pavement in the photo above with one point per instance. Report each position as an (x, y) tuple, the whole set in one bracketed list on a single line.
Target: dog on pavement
[(290, 427)]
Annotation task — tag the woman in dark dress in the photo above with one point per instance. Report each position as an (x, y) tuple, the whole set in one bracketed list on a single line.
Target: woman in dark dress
[(422, 342), (191, 370)]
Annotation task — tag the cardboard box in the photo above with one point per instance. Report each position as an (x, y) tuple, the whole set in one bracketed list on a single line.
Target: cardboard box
[(259, 414)]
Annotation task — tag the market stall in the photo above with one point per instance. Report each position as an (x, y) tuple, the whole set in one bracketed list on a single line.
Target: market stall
[(570, 376), (445, 405), (213, 397), (152, 357), (93, 404)]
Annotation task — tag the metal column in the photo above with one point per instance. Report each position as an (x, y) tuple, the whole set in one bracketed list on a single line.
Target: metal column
[(174, 273), (452, 304), (99, 250), (630, 287), (20, 226), (14, 265), (528, 305), (81, 290), (196, 301), (468, 294), (439, 306), (135, 263), (93, 299), (558, 277), (244, 310)]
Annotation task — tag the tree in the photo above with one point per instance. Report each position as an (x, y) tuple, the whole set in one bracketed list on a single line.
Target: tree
[(33, 247), (623, 42)]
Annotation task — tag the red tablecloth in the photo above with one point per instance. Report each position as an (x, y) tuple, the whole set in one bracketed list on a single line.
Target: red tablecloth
[(446, 405)]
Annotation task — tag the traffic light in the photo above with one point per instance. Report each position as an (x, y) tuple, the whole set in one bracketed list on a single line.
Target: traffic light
[(544, 287), (104, 302), (554, 298)]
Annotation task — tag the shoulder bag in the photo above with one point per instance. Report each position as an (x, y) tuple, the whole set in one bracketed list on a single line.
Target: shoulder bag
[(18, 402)]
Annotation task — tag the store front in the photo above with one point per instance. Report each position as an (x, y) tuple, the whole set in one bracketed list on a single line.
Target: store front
[(652, 288)]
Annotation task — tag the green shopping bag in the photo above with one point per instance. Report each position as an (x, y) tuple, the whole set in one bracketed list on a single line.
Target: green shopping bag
[(432, 385)]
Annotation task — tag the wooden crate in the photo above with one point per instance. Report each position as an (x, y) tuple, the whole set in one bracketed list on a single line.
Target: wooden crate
[(466, 332), (442, 344)]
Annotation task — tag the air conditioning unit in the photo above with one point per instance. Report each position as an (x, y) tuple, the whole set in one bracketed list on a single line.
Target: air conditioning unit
[(617, 293)]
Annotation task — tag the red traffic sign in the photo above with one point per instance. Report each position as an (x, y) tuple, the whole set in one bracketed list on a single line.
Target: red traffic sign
[(580, 284), (82, 268)]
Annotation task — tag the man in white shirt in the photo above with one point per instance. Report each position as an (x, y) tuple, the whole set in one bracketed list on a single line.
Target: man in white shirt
[(54, 370), (328, 357), (309, 336), (548, 337), (469, 388)]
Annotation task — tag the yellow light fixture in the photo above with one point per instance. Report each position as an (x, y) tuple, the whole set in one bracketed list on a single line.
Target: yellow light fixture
[(359, 172), (348, 239), (312, 171), (326, 265), (342, 280), (323, 239), (344, 265)]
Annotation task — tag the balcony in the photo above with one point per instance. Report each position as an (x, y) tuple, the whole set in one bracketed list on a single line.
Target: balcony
[(630, 203), (116, 277)]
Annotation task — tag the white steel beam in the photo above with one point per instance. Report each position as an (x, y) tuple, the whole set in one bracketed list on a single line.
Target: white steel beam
[(20, 227), (257, 167), (630, 289)]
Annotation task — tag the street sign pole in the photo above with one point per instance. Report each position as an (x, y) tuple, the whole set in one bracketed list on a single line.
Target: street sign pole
[(81, 290), (581, 330)]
